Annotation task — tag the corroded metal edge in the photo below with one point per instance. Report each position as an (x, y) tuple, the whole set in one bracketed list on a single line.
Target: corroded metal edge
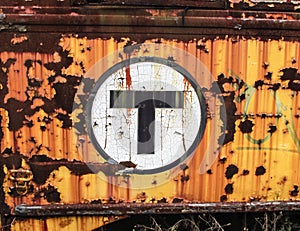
[(116, 22), (148, 209)]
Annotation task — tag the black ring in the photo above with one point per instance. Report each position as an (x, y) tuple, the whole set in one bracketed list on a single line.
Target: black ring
[(165, 62)]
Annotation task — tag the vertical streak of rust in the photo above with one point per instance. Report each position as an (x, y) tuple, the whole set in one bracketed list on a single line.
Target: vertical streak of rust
[(109, 186), (176, 187), (128, 78), (127, 188), (183, 182), (115, 187), (79, 188), (45, 227)]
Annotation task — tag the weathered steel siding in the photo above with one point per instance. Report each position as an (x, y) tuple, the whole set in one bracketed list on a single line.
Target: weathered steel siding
[(245, 168), (40, 75)]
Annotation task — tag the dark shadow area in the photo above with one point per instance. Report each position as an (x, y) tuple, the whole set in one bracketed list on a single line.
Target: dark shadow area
[(214, 221)]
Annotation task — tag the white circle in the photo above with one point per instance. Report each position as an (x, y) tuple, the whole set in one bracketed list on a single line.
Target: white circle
[(174, 129)]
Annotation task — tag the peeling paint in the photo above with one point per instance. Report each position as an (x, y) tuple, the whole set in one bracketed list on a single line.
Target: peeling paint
[(16, 40), (42, 66), (27, 115)]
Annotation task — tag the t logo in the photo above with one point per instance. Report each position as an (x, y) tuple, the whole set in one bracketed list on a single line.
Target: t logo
[(156, 122), (146, 102)]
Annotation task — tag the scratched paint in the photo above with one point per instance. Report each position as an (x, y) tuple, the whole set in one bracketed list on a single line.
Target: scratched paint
[(256, 159), (261, 104)]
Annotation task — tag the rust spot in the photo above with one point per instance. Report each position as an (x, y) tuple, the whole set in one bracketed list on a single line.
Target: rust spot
[(231, 170), (223, 198), (229, 110), (252, 199), (258, 84), (209, 171), (97, 201), (13, 161), (268, 76), (184, 167), (275, 86), (265, 65), (283, 180), (128, 164), (177, 200), (272, 129), (260, 171), (202, 47), (295, 192), (64, 223), (245, 172), (43, 128), (246, 126), (184, 178), (7, 151), (131, 47), (223, 160), (229, 188), (49, 193), (162, 200), (291, 75), (171, 58), (19, 111), (111, 200), (128, 78), (230, 118), (42, 166), (142, 196), (41, 173)]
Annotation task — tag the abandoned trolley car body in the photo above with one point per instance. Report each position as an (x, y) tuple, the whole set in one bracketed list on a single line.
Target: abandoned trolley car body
[(109, 109)]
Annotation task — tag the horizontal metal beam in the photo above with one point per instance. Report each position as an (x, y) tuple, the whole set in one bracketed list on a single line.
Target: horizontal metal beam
[(147, 23), (152, 21), (151, 208), (158, 27), (149, 17)]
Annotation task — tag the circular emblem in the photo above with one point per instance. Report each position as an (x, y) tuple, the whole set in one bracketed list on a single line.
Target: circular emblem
[(148, 112)]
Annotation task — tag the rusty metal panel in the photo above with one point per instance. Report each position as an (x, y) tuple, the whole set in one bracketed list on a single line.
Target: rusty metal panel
[(262, 117), (48, 158)]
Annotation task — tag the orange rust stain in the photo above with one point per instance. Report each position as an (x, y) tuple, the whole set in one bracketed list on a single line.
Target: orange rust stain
[(187, 87), (164, 13), (279, 16), (239, 58), (128, 78), (16, 40)]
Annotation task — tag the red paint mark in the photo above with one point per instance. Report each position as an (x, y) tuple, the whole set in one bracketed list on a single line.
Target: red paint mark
[(187, 91), (45, 227), (128, 78)]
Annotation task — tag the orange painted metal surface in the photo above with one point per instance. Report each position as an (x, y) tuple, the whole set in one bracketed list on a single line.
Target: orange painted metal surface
[(47, 159), (258, 162)]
